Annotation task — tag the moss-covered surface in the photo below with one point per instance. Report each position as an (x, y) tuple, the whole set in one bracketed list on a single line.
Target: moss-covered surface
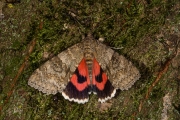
[(147, 31)]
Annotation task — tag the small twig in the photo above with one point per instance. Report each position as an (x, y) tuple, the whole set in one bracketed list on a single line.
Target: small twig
[(24, 64), (32, 44), (162, 71)]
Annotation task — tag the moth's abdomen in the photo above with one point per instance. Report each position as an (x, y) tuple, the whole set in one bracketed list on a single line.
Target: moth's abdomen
[(88, 55)]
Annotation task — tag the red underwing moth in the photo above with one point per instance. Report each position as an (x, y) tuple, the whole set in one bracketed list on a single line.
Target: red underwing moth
[(87, 67)]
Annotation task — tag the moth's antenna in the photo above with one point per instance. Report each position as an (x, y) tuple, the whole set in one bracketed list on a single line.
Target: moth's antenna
[(74, 16)]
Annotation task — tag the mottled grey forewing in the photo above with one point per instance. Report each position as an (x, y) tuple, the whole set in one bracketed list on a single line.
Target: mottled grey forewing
[(53, 75), (122, 72)]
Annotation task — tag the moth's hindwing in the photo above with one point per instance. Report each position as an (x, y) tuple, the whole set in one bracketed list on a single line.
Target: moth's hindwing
[(101, 84), (77, 88)]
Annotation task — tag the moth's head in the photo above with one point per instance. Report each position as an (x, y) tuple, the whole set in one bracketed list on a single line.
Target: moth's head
[(89, 37)]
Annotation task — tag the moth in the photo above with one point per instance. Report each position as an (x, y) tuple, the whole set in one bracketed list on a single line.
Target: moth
[(85, 68)]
